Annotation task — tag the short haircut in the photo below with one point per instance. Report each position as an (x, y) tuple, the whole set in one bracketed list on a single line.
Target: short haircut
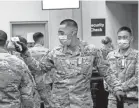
[(37, 36), (22, 39), (70, 23), (124, 28), (3, 38)]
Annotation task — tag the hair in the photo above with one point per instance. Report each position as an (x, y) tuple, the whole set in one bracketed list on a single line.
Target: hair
[(70, 23), (124, 28), (37, 36), (106, 40), (3, 38), (22, 39)]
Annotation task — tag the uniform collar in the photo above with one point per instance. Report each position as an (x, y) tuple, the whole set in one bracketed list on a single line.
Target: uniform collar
[(77, 51), (117, 53), (37, 45)]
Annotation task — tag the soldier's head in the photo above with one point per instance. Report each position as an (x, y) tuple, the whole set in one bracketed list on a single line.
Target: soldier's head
[(3, 38), (22, 39), (68, 32), (124, 37), (107, 41), (10, 43), (38, 38)]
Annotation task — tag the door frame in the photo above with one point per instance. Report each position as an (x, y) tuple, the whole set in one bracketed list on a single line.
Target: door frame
[(46, 34)]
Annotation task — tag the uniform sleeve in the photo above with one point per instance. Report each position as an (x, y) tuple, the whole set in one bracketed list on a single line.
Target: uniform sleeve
[(133, 82), (26, 89), (38, 66), (107, 72)]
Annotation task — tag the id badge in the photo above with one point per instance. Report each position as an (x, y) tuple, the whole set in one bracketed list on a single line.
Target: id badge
[(80, 60), (123, 63)]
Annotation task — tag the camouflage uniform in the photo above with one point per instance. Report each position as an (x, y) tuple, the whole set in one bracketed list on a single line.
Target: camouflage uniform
[(126, 69), (16, 86), (105, 51), (38, 52), (36, 97), (71, 76)]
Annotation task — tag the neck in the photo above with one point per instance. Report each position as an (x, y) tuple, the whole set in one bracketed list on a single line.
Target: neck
[(2, 49), (74, 44), (123, 51), (38, 43)]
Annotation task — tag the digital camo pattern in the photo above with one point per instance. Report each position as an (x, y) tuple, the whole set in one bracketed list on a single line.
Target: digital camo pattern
[(38, 52), (126, 70), (16, 86), (36, 97), (71, 75), (105, 51)]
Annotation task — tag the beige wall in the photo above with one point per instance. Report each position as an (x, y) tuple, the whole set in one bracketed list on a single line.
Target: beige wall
[(32, 11), (92, 9), (116, 15), (20, 11), (135, 25)]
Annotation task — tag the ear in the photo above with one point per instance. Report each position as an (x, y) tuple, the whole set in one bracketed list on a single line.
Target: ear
[(74, 32), (131, 38)]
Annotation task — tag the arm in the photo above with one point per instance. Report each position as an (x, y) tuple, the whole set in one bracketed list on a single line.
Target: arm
[(26, 89), (133, 82), (37, 66), (109, 75)]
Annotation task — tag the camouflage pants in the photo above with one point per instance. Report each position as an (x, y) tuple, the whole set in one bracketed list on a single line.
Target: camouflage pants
[(113, 104), (36, 99)]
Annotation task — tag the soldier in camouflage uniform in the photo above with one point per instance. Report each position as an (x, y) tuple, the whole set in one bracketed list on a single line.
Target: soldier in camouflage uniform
[(107, 47), (124, 63), (71, 67), (38, 52), (11, 49), (16, 86)]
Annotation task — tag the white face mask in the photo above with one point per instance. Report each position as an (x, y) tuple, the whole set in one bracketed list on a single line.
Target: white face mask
[(123, 44), (64, 40)]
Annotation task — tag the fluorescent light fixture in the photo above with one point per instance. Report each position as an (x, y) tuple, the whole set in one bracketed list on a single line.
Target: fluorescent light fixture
[(60, 4)]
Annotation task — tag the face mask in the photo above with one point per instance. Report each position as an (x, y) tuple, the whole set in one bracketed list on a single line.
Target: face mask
[(123, 44), (64, 40)]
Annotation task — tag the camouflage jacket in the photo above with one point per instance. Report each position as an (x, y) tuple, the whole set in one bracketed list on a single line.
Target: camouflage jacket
[(38, 52), (15, 83), (36, 97), (125, 67), (105, 51), (71, 75)]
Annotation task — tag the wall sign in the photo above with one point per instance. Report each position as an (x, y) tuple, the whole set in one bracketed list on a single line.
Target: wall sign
[(97, 27)]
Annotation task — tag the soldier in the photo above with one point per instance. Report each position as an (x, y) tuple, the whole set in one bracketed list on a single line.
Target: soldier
[(38, 52), (107, 46), (71, 67), (15, 84), (36, 97), (11, 48), (124, 63)]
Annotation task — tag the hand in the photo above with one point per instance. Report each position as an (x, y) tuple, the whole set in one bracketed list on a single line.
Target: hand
[(28, 104), (23, 48), (120, 95), (50, 64)]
